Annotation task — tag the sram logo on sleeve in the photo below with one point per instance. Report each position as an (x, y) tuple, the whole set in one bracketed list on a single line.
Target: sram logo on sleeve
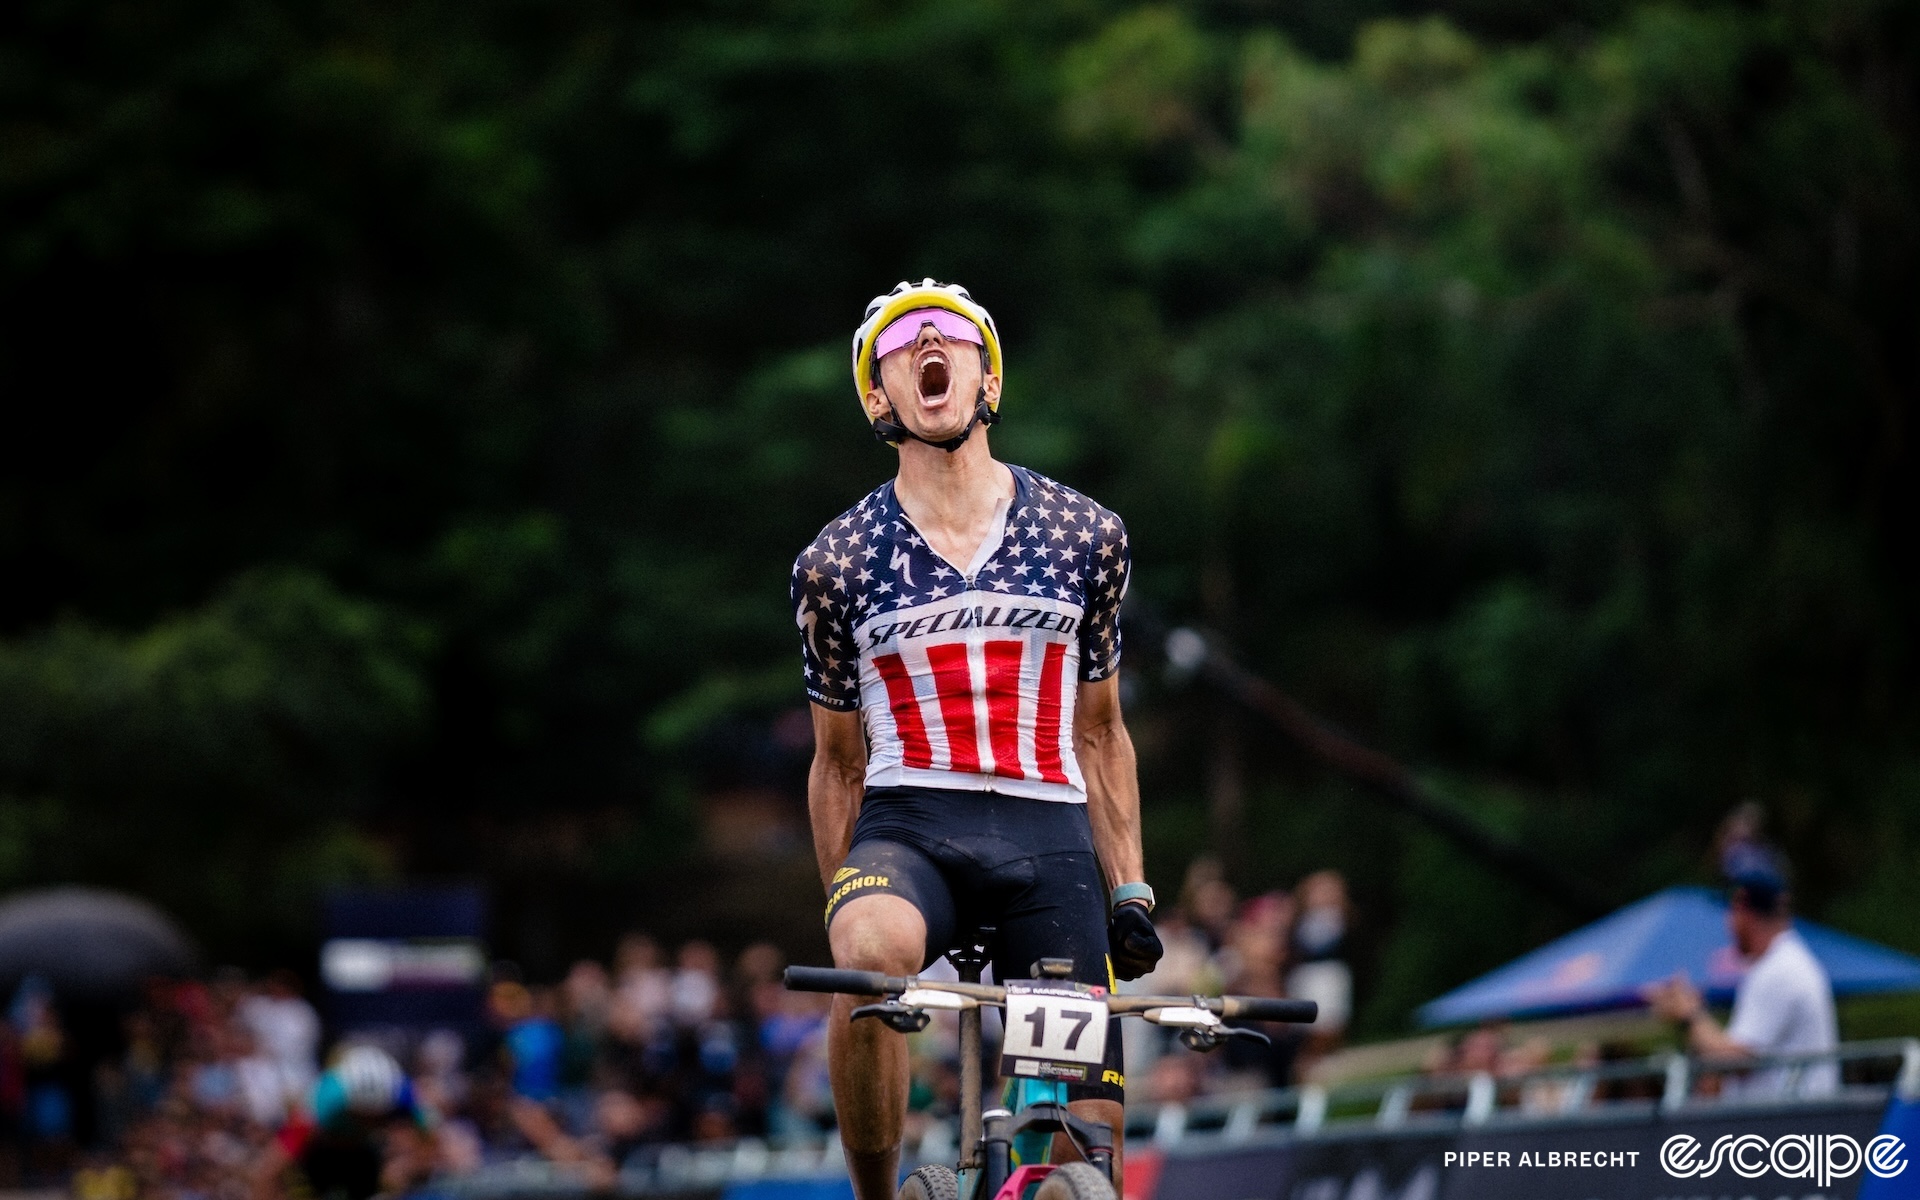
[(1054, 1031)]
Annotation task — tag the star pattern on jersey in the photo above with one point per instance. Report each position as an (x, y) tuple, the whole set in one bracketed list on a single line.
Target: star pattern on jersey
[(1058, 544)]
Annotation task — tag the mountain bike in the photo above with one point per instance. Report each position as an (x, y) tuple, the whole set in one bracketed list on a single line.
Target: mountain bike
[(1054, 1033)]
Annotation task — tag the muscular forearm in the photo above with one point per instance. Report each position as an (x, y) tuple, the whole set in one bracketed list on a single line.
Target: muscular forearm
[(1106, 759), (833, 802), (834, 786)]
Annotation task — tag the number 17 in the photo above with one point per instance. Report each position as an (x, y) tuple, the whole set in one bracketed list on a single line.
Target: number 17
[(1038, 1019)]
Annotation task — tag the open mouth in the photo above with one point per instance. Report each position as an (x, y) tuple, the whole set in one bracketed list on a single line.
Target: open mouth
[(934, 377)]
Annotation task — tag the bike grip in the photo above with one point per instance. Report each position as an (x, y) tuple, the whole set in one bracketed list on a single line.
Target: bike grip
[(830, 979), (1260, 1008)]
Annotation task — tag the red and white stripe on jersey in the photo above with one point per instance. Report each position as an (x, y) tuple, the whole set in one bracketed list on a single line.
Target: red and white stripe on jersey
[(979, 693)]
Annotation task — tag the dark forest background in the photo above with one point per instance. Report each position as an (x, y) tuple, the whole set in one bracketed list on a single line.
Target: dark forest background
[(412, 410)]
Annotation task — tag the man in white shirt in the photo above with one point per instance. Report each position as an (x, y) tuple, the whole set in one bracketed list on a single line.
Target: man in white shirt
[(1783, 1005), (286, 1033)]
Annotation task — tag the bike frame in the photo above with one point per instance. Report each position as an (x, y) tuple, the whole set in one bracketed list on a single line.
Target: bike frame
[(1005, 1150), (1018, 1142)]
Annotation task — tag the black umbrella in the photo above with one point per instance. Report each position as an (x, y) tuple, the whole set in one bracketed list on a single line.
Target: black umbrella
[(87, 943)]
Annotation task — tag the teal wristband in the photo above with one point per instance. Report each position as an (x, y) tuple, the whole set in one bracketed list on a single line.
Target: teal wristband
[(1132, 891)]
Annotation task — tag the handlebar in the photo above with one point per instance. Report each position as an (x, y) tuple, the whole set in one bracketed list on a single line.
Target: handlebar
[(1267, 1008), (856, 983), (873, 983)]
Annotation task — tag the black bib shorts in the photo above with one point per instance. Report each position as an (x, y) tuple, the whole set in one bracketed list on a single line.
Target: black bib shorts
[(967, 859)]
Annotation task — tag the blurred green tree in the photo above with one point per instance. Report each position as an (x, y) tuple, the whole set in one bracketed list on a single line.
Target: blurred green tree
[(218, 761)]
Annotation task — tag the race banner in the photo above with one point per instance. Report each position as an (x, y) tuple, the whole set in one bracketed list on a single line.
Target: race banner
[(1825, 1152)]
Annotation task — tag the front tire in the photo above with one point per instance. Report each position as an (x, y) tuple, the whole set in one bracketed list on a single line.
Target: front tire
[(1075, 1181), (933, 1183)]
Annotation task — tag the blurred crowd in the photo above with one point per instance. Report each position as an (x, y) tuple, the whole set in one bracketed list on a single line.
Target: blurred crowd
[(1280, 943), (605, 1067), (597, 1071)]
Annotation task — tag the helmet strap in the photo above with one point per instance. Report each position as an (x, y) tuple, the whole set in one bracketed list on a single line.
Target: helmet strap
[(892, 431)]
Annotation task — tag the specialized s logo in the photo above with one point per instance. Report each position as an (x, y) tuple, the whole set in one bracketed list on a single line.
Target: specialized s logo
[(1820, 1157)]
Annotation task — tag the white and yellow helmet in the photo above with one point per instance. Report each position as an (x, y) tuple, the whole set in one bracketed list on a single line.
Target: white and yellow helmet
[(882, 311)]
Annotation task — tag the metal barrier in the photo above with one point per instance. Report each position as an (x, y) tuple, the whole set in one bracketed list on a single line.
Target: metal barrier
[(1668, 1082), (1867, 1073)]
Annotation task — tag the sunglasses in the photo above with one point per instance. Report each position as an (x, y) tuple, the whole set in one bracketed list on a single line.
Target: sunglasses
[(905, 328)]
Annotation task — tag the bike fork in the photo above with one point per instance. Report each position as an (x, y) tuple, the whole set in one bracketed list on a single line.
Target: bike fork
[(973, 1149)]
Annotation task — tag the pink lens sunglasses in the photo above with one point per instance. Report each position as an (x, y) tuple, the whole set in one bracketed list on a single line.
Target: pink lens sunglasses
[(906, 327)]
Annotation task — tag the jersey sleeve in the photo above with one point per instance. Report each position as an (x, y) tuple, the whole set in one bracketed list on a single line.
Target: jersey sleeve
[(827, 653), (1108, 566)]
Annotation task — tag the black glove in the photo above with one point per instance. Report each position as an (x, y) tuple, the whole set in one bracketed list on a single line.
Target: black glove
[(1134, 941)]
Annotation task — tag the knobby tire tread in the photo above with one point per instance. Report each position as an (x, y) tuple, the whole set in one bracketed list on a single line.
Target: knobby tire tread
[(1075, 1181), (930, 1183)]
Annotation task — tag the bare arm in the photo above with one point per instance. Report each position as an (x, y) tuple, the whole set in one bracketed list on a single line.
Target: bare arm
[(1678, 1000), (1710, 1041), (1105, 752), (834, 785)]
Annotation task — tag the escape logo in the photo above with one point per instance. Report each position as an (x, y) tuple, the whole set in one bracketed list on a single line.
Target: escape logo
[(1821, 1157)]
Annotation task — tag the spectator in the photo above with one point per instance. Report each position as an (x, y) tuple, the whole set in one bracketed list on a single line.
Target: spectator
[(645, 988), (1478, 1051), (588, 995), (1550, 1095), (286, 1032), (260, 1083), (1207, 900), (1252, 963), (535, 1043), (1256, 949), (1783, 1004), (47, 1115), (696, 985), (1320, 973), (585, 997)]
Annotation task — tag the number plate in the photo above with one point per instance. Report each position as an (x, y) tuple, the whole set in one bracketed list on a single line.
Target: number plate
[(1053, 1032)]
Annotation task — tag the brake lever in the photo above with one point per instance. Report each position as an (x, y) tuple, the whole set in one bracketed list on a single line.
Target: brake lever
[(1208, 1040), (895, 1015)]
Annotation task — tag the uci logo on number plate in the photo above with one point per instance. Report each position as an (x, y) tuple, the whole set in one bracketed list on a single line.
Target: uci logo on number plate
[(1053, 1031)]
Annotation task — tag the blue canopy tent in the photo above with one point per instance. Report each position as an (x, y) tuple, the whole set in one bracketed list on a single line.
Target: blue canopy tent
[(1604, 965)]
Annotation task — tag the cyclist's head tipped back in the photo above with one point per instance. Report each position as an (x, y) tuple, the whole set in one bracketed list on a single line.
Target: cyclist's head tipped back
[(926, 365)]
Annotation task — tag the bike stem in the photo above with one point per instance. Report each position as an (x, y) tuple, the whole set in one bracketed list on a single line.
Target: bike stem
[(969, 964)]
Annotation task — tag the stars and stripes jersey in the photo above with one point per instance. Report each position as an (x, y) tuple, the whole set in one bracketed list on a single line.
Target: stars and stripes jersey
[(966, 679)]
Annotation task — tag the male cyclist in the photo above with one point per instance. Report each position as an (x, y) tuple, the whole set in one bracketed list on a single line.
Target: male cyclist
[(960, 636)]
